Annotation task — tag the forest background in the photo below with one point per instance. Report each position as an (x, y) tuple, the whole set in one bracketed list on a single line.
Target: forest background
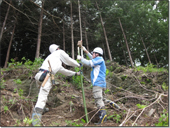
[(131, 33)]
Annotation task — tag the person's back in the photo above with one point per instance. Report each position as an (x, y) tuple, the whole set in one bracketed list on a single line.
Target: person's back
[(56, 58), (55, 62)]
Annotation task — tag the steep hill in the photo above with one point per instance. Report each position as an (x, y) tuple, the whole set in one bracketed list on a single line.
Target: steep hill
[(142, 96)]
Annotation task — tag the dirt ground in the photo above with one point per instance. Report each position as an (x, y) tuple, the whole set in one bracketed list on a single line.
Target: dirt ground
[(65, 101)]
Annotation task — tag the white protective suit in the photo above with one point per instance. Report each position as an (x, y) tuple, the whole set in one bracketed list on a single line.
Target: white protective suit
[(56, 58)]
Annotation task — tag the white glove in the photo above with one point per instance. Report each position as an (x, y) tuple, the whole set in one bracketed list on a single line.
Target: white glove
[(84, 49), (78, 73), (78, 57)]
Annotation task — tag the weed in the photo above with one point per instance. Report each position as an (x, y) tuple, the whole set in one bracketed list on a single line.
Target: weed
[(163, 120), (73, 97), (76, 79), (108, 61), (2, 82), (111, 68), (83, 120), (18, 81), (5, 108), (15, 90), (27, 121), (141, 106), (70, 123), (107, 72), (117, 118), (164, 86), (148, 80), (107, 91), (55, 88), (123, 77), (66, 84), (109, 117), (142, 82), (55, 124), (150, 68)]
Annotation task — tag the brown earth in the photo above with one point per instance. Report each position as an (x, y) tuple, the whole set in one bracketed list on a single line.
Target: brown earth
[(125, 86)]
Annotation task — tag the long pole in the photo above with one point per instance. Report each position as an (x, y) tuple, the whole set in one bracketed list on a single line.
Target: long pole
[(81, 68), (80, 20), (81, 80), (84, 100)]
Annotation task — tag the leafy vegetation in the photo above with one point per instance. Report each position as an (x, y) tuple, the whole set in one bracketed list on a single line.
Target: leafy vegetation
[(117, 117), (71, 123), (76, 79), (150, 68), (141, 106), (143, 22), (163, 120)]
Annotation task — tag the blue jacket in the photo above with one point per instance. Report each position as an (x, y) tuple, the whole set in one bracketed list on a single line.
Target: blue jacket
[(98, 73)]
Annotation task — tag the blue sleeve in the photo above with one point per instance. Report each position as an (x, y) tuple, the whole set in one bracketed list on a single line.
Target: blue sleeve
[(86, 62), (97, 61)]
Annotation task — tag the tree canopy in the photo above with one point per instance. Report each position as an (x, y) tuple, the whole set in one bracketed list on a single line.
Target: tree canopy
[(145, 23)]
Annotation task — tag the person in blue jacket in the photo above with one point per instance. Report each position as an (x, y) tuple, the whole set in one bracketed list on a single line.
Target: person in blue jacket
[(98, 78)]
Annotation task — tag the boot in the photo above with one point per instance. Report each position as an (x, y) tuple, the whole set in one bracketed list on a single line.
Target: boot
[(45, 110), (36, 116), (102, 116), (113, 104)]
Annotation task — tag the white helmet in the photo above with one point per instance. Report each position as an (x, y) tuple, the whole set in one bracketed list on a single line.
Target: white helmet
[(53, 47), (98, 50)]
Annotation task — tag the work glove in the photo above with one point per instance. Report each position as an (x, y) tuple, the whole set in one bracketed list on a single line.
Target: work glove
[(79, 44), (84, 49), (78, 57), (77, 74)]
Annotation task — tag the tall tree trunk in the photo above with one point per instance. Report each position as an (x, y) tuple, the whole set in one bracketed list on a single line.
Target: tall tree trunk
[(87, 44), (156, 60), (72, 37), (39, 32), (146, 50), (63, 37), (126, 44), (107, 44), (155, 55), (124, 53), (2, 29), (9, 47), (104, 52), (81, 38)]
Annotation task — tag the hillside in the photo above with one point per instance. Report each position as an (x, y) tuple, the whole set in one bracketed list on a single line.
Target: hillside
[(141, 95)]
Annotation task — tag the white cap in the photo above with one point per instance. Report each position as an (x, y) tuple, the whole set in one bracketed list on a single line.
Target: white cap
[(53, 47), (98, 50)]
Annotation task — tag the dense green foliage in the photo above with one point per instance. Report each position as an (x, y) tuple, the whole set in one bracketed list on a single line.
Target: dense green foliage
[(140, 19)]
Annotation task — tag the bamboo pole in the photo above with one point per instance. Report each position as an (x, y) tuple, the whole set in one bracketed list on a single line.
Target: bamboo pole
[(81, 68)]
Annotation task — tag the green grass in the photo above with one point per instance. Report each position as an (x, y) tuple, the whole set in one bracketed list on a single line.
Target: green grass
[(150, 68)]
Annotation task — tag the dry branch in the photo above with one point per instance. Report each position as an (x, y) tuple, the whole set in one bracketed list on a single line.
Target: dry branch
[(18, 11), (149, 106)]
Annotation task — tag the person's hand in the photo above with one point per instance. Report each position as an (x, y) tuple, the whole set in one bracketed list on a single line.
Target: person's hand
[(84, 49), (78, 57), (79, 44), (78, 73)]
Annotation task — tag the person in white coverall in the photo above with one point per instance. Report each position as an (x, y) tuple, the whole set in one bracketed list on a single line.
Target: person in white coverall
[(98, 79), (56, 58)]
